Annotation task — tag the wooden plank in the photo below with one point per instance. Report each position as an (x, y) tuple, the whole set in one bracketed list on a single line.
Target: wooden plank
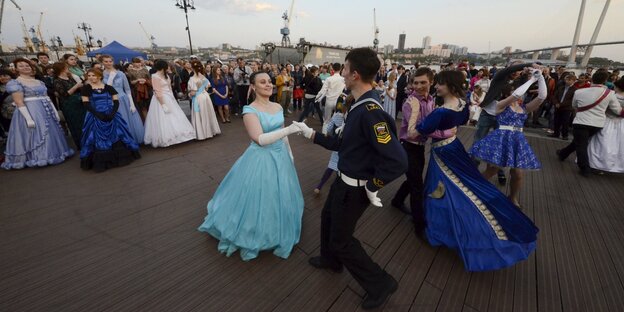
[(427, 298), (454, 293), (141, 250), (545, 197)]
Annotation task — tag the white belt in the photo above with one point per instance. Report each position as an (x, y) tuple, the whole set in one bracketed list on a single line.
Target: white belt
[(511, 128), (34, 98), (351, 181)]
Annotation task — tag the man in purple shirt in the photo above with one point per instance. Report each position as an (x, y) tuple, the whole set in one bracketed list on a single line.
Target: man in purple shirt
[(415, 146)]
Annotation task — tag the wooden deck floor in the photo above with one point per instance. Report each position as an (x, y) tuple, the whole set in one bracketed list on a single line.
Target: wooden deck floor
[(126, 240)]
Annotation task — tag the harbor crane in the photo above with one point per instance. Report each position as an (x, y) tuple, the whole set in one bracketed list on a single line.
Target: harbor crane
[(30, 47), (286, 30), (150, 38), (42, 45)]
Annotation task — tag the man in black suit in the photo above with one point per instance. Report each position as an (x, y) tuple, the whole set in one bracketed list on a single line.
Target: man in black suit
[(563, 106), (401, 85)]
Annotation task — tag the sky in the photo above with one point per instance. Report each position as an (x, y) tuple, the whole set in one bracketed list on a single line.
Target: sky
[(477, 24)]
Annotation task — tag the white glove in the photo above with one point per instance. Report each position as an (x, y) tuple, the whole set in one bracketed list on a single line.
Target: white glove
[(131, 103), (56, 114), (521, 90), (272, 137), (305, 130), (165, 108), (292, 157), (542, 90), (372, 197), (339, 129), (29, 121)]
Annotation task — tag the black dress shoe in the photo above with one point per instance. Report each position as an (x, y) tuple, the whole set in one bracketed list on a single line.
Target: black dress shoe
[(319, 263), (401, 206), (371, 302), (502, 179), (559, 156)]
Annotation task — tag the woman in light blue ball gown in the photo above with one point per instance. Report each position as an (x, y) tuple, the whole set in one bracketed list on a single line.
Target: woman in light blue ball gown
[(36, 138), (119, 81), (258, 205)]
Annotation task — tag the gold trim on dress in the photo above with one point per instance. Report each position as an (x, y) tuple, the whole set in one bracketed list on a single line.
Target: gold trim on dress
[(439, 191), (485, 212), (444, 142)]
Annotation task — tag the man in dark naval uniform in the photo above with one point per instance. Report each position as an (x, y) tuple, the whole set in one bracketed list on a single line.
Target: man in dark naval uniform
[(371, 156)]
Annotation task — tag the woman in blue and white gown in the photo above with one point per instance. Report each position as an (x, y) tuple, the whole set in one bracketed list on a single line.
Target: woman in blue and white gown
[(463, 210), (165, 124), (127, 109), (606, 148), (35, 138), (106, 141), (258, 205)]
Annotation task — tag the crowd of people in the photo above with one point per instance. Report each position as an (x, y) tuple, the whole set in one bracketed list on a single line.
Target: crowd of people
[(376, 121)]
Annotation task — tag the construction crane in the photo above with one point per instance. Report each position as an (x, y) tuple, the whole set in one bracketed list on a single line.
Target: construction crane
[(150, 38), (30, 47), (375, 31), (286, 30), (80, 49), (42, 45)]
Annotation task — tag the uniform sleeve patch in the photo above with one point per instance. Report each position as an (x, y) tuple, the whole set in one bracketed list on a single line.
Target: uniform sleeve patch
[(382, 133), (372, 106), (378, 183)]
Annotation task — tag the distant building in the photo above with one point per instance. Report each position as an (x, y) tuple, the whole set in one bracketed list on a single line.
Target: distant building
[(401, 42), (226, 46), (426, 42), (438, 50), (387, 49)]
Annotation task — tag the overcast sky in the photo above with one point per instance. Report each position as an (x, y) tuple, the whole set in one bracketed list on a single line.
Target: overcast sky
[(525, 24)]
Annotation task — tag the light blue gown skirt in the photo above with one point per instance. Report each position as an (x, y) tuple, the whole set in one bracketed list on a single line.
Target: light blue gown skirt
[(258, 205)]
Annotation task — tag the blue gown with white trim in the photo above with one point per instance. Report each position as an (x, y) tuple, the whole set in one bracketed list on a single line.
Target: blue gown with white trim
[(464, 211)]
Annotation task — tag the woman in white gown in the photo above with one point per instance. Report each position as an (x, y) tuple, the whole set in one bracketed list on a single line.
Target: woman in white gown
[(165, 124), (202, 113), (606, 148)]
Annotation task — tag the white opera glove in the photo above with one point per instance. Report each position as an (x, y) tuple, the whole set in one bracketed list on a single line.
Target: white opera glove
[(542, 90), (131, 104), (29, 121), (165, 108), (521, 90), (373, 198), (339, 129), (273, 136), (292, 157), (56, 114), (305, 130)]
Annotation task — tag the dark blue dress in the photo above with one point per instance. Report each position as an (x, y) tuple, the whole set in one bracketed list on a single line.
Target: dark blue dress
[(220, 86), (507, 147), (466, 212), (105, 144)]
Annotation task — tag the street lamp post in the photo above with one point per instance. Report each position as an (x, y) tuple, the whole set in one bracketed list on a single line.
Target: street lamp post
[(303, 47), (87, 30), (55, 47), (186, 5), (268, 49)]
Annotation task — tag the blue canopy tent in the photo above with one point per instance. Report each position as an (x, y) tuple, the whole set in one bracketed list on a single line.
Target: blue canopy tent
[(118, 51)]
